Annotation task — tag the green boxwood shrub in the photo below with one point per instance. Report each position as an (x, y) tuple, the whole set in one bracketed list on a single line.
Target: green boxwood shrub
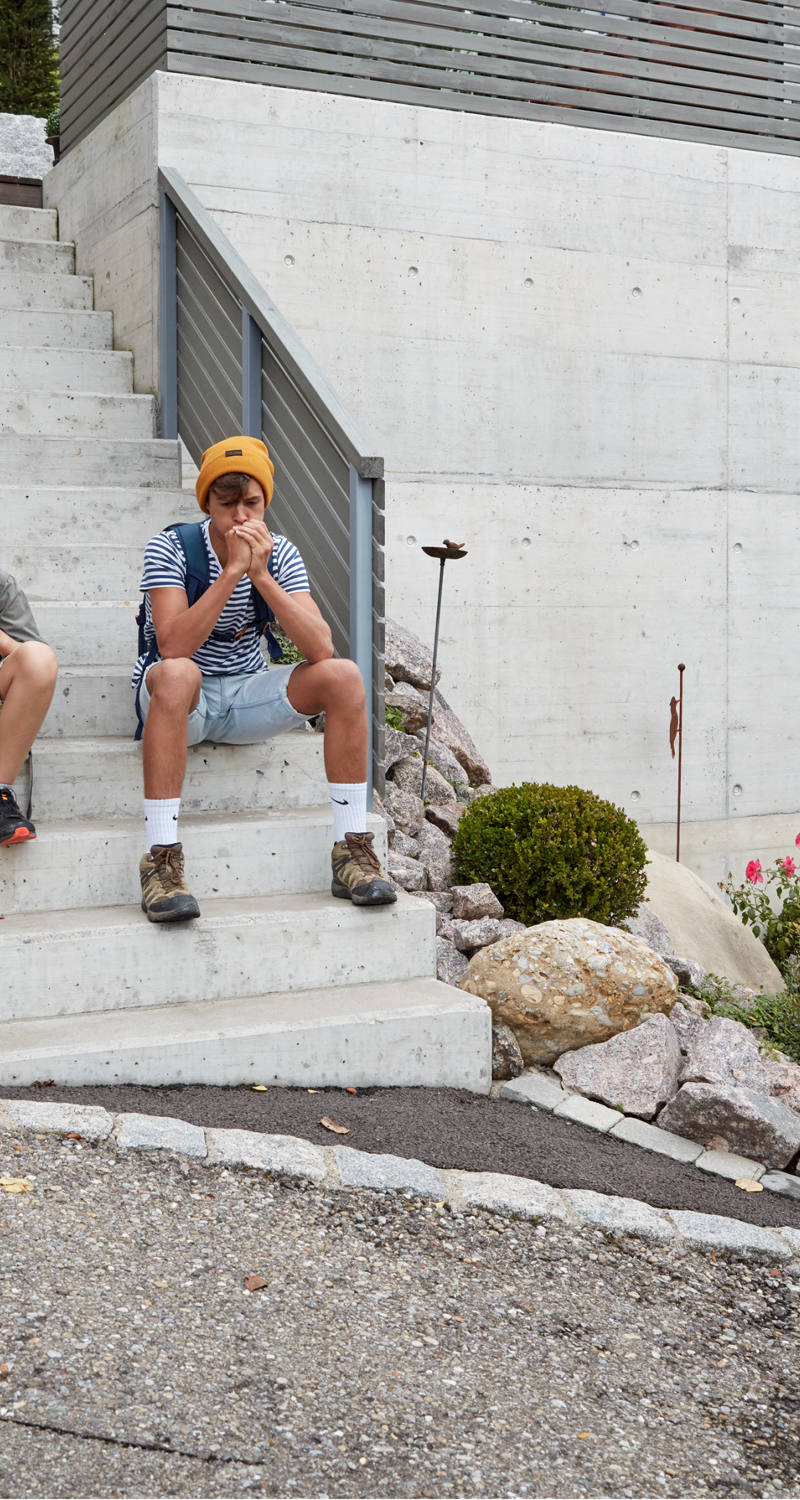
[(552, 852)]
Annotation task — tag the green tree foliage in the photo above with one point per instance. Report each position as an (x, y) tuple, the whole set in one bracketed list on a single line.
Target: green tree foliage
[(28, 58)]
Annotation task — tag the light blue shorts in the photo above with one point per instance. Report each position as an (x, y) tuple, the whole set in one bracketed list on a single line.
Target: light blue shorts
[(241, 709)]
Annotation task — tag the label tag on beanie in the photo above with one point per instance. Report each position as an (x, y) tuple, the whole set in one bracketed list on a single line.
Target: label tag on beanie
[(234, 453)]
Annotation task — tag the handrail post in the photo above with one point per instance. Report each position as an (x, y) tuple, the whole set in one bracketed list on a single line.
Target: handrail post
[(251, 375), (361, 596), (168, 315)]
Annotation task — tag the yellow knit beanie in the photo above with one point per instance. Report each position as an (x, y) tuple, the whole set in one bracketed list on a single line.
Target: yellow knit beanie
[(235, 455)]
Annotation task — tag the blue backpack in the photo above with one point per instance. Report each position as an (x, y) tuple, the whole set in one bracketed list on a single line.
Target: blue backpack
[(192, 542)]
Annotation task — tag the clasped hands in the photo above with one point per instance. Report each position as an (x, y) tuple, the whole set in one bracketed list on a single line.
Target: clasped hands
[(249, 547)]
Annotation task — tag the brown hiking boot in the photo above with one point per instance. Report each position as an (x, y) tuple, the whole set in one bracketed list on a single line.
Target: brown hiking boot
[(165, 897), (357, 875)]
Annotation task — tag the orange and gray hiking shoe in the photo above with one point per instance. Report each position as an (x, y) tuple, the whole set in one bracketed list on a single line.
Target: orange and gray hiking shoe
[(357, 875), (165, 897), (14, 828)]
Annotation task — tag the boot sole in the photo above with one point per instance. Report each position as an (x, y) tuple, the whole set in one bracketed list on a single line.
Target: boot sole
[(186, 915), (344, 893), (19, 836)]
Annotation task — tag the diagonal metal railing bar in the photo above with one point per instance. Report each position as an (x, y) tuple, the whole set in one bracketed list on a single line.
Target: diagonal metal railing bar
[(231, 362)]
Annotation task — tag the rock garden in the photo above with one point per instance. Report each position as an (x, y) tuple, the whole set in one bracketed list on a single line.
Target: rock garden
[(613, 974)]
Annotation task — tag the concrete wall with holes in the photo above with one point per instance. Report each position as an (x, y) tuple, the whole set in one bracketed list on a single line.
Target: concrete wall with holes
[(579, 352)]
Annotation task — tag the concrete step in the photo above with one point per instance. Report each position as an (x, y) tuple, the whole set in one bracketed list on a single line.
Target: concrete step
[(88, 414), (90, 632), (152, 463), (74, 563), (73, 329), (39, 257), (107, 371), (401, 1033), (27, 223), (96, 863), (111, 958), (33, 289), (76, 779), (90, 701)]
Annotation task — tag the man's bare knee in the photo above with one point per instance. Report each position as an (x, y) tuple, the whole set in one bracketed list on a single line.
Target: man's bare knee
[(35, 664), (174, 682)]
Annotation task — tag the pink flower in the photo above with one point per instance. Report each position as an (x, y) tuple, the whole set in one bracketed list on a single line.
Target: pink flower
[(797, 841), (788, 865), (753, 872)]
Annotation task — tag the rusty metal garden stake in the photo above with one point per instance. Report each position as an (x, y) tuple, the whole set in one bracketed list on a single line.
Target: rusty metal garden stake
[(676, 731), (448, 550)]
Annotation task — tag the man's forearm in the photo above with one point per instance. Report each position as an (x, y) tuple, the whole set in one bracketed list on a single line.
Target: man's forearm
[(308, 632), (184, 633)]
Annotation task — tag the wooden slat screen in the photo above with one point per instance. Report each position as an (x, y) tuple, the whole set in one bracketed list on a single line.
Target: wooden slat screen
[(728, 76)]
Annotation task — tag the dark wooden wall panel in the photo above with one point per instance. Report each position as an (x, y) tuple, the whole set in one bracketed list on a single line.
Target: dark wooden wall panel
[(730, 75)]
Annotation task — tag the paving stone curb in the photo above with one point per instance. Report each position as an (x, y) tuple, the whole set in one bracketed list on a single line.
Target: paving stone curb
[(541, 1092), (341, 1167)]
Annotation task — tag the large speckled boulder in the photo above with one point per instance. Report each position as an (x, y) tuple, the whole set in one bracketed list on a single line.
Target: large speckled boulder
[(562, 985)]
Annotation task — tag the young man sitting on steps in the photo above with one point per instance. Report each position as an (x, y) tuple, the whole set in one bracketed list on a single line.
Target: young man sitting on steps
[(203, 676), (27, 679)]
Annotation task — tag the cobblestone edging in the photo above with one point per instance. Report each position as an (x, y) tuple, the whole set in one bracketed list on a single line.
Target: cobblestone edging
[(341, 1167), (543, 1093)]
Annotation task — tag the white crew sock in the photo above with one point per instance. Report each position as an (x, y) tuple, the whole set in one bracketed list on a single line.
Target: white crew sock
[(349, 803), (161, 820)]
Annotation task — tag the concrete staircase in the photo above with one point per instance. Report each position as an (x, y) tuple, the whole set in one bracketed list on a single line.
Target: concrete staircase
[(277, 982)]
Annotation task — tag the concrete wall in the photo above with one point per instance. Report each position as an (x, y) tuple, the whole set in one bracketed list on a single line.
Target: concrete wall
[(579, 352)]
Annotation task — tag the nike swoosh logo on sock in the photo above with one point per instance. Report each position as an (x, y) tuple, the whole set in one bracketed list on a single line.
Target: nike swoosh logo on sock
[(342, 801)]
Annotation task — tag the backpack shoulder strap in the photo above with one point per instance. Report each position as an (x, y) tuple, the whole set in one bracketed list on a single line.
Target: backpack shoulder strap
[(193, 545)]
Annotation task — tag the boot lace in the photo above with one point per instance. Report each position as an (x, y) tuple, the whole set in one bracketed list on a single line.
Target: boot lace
[(169, 866), (360, 846)]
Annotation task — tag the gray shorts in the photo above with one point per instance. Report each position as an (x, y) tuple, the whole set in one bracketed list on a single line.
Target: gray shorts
[(241, 709)]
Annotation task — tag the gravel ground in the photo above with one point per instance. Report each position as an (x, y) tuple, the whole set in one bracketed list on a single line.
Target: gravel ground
[(396, 1348)]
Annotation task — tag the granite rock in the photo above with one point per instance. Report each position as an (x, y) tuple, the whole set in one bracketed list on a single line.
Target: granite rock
[(413, 705), (451, 966), (407, 774), (469, 936), (445, 761), (470, 902), (405, 808), (434, 855), (506, 1056), (445, 815), (407, 873), (645, 924), (751, 1124), (563, 985), (687, 1025), (402, 843), (405, 657), (638, 1069), (449, 729), (724, 1051)]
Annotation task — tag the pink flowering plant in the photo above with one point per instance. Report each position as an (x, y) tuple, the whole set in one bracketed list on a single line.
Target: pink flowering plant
[(769, 902)]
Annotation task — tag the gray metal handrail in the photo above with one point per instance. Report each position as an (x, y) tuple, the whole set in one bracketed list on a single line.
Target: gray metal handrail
[(230, 362)]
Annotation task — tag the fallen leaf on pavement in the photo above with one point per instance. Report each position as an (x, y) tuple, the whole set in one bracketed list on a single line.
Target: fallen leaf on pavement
[(73, 1135), (16, 1185), (259, 1088), (313, 1091), (351, 1091), (331, 1125), (4, 1372), (254, 1282), (44, 1083), (747, 1185)]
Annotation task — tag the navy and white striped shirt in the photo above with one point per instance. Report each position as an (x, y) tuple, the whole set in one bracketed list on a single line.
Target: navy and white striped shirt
[(165, 567)]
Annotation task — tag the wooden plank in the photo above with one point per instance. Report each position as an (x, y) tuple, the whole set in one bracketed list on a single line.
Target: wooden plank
[(86, 108), (664, 81), (563, 88), (440, 13), (98, 18), (534, 44), (405, 93), (21, 192)]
